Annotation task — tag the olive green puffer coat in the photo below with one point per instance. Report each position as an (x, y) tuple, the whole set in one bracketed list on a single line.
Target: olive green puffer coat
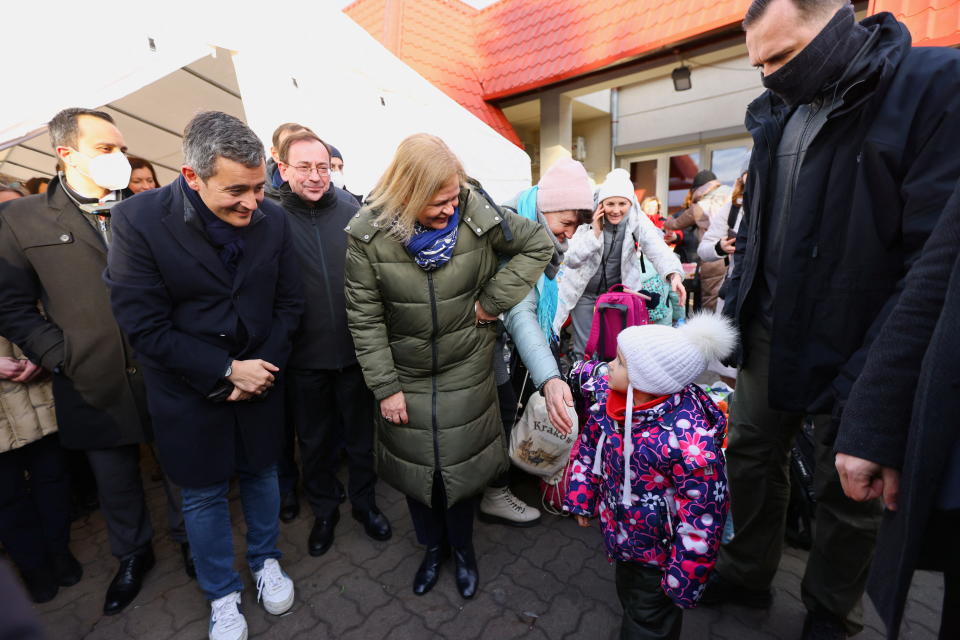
[(416, 332)]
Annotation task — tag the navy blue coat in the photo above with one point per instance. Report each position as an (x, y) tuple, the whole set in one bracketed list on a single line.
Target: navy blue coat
[(871, 188), (181, 308), (903, 411)]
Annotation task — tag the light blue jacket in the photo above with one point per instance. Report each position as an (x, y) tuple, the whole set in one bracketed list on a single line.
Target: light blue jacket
[(521, 323)]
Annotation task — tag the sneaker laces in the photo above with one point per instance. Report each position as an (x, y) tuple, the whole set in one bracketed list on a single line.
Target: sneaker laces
[(270, 578), (226, 613), (514, 501)]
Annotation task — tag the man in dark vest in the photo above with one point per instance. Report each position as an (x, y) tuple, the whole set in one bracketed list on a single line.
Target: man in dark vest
[(204, 280), (853, 161), (53, 249), (327, 399)]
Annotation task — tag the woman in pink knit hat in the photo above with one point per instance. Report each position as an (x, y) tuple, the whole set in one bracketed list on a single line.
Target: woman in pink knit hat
[(560, 202)]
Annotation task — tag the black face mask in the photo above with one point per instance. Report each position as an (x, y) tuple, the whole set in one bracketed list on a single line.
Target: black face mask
[(821, 62)]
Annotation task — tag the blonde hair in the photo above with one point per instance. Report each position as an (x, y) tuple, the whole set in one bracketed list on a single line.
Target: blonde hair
[(643, 204), (420, 167)]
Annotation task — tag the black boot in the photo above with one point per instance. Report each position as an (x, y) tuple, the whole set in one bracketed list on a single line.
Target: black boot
[(68, 569), (188, 566), (126, 584), (41, 584), (321, 536), (375, 524), (466, 571), (289, 506), (429, 571)]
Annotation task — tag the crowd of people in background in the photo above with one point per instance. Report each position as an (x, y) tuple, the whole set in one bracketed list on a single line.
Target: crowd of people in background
[(254, 308)]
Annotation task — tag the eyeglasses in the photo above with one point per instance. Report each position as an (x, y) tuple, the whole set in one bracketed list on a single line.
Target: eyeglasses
[(306, 170)]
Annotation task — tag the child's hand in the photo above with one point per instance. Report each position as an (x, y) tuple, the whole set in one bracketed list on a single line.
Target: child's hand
[(583, 521)]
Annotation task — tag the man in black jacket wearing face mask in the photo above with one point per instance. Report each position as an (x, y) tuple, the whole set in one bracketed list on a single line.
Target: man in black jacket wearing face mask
[(854, 158)]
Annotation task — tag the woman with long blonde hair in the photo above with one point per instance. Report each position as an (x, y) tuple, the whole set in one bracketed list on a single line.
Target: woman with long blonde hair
[(423, 291)]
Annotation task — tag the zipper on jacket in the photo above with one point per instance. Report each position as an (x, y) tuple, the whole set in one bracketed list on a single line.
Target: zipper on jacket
[(323, 264), (433, 374)]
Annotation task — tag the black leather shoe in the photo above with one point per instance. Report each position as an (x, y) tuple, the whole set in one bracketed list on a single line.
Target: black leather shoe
[(466, 572), (321, 536), (289, 507), (126, 584), (68, 569), (375, 524), (41, 584), (429, 571), (822, 626), (188, 566)]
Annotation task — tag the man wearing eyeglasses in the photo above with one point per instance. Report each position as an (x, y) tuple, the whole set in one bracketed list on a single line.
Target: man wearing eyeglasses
[(327, 398)]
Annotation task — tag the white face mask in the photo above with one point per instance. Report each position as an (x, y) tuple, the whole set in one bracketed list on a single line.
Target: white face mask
[(110, 170), (336, 178)]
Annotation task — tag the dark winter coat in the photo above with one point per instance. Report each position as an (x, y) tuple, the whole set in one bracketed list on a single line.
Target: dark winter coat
[(49, 252), (316, 231), (869, 191), (416, 332), (902, 412), (183, 310)]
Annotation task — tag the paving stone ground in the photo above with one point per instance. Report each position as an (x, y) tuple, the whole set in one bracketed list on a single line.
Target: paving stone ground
[(548, 582)]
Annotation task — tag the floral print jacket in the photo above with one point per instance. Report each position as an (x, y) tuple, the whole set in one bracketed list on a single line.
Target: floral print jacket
[(679, 489)]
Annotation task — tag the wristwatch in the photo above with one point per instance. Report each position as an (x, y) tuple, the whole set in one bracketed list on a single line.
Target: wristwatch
[(229, 371)]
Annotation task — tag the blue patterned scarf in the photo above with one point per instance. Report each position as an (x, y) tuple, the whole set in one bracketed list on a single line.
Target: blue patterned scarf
[(547, 288), (433, 248)]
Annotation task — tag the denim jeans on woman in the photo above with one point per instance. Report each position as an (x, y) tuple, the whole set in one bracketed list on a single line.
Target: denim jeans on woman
[(206, 511)]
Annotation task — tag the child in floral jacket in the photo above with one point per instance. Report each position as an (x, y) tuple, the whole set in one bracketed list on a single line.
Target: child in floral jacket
[(663, 520)]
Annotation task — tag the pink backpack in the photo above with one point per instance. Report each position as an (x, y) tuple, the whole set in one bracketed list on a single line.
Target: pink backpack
[(616, 310)]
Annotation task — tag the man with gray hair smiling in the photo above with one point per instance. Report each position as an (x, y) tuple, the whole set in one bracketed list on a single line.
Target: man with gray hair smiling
[(204, 280)]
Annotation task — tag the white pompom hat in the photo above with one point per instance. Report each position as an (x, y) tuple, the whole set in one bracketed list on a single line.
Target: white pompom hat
[(616, 184), (662, 360)]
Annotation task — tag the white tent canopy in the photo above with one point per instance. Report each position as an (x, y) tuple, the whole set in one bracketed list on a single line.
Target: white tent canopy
[(320, 69)]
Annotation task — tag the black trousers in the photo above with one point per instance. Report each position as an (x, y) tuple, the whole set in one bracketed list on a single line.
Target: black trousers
[(330, 407), (648, 614), (288, 473), (34, 513), (441, 523)]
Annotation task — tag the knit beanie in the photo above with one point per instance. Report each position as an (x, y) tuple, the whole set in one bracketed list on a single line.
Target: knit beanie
[(703, 178), (616, 185), (663, 360), (334, 152), (564, 187)]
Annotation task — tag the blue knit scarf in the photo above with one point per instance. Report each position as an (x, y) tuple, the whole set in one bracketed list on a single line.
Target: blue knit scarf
[(226, 238), (547, 288), (433, 248)]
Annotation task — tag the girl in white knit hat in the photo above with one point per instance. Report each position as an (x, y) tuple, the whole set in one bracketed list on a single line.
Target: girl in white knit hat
[(649, 464), (609, 251)]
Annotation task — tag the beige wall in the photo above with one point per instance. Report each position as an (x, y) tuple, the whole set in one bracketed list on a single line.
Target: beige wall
[(652, 110), (596, 133)]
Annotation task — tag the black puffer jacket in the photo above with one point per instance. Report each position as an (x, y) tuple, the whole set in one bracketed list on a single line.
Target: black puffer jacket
[(868, 193)]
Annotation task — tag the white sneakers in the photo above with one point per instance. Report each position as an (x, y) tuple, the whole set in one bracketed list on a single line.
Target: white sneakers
[(500, 506), (226, 621), (274, 589)]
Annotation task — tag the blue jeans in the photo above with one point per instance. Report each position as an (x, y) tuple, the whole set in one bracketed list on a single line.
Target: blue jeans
[(206, 513)]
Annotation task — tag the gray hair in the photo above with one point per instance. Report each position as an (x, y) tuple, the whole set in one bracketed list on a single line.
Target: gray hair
[(214, 134), (807, 8), (63, 127)]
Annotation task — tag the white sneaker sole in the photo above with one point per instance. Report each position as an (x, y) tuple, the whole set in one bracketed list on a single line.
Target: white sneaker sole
[(490, 518), (278, 608), (242, 636)]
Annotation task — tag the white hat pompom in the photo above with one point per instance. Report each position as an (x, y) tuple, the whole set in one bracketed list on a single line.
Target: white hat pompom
[(711, 334)]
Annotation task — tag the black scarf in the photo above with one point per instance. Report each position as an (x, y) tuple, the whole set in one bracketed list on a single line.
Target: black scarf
[(822, 62), (228, 239)]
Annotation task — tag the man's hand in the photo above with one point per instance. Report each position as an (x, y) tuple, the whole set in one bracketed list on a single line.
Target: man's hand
[(394, 408), (29, 373), (728, 245), (10, 368), (864, 480), (676, 284), (583, 521), (238, 396), (557, 395), (483, 318), (252, 376)]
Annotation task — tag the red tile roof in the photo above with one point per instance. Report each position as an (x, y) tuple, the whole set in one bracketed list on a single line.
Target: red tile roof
[(932, 23), (513, 46)]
